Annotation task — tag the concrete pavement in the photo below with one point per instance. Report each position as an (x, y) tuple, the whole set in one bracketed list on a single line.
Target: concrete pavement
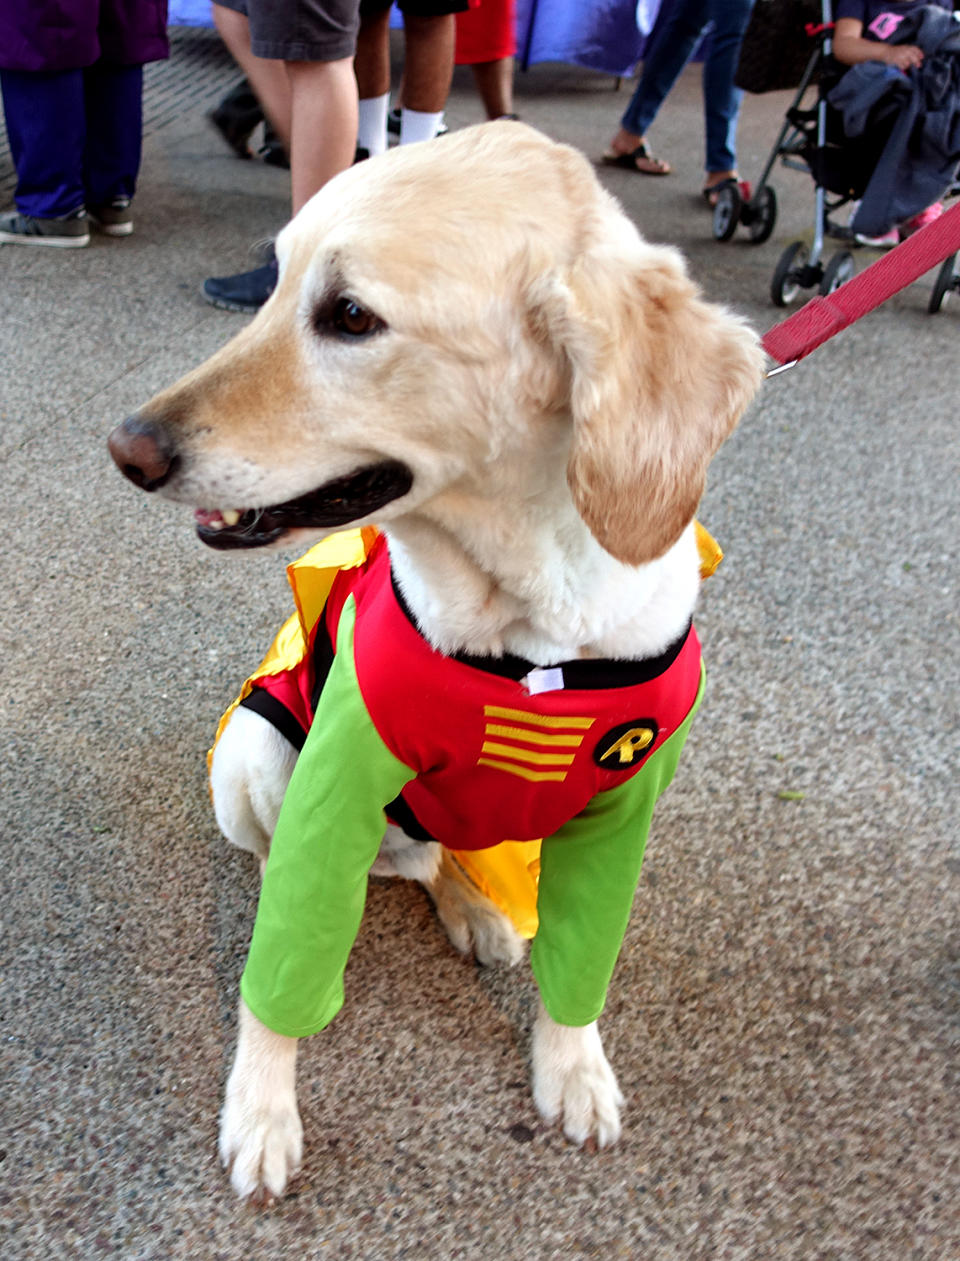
[(784, 1021)]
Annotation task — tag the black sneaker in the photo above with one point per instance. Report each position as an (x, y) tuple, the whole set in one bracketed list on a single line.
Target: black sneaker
[(71, 232), (113, 219), (246, 292), (236, 118)]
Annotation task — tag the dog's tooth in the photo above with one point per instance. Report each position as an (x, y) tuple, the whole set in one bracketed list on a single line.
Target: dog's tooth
[(230, 517)]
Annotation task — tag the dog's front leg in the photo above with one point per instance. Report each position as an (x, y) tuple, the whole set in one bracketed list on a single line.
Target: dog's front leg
[(261, 1138), (573, 1080)]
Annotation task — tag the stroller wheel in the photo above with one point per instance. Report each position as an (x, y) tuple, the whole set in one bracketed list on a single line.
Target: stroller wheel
[(760, 214), (837, 272), (786, 283), (946, 280), (726, 213)]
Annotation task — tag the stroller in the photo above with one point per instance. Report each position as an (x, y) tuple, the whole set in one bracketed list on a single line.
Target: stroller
[(947, 281), (812, 140)]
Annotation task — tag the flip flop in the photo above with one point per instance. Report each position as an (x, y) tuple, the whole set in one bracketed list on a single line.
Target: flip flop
[(711, 191), (628, 161)]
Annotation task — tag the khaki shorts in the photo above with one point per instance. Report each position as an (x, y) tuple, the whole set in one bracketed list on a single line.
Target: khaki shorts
[(300, 30)]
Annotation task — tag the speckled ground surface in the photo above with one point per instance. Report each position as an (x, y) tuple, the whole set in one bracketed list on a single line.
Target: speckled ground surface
[(784, 1019)]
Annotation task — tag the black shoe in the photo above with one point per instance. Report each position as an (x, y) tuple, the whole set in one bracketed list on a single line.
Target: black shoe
[(236, 118), (272, 150), (246, 292)]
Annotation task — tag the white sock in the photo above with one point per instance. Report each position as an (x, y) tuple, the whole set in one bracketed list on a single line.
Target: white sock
[(416, 126), (372, 124)]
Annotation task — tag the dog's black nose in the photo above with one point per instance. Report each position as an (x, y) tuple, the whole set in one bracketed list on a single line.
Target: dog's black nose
[(143, 451)]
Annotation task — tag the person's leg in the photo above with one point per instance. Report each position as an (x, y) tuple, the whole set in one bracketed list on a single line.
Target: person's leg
[(323, 134), (315, 40), (674, 43), (427, 74), (721, 99), (113, 97), (428, 61), (494, 80), (46, 129), (267, 75), (372, 68)]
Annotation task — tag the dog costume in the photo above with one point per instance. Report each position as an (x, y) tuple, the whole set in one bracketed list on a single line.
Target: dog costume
[(485, 755)]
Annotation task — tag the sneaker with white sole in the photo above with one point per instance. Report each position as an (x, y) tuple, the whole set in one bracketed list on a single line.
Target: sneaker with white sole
[(71, 232), (113, 219)]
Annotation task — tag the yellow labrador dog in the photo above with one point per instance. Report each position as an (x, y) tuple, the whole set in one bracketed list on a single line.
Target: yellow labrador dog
[(472, 347)]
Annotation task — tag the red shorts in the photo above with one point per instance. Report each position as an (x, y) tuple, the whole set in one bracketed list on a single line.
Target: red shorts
[(486, 33)]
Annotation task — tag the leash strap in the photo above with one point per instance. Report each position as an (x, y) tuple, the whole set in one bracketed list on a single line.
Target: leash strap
[(821, 318)]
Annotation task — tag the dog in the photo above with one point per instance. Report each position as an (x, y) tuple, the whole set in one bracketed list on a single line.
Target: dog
[(471, 347)]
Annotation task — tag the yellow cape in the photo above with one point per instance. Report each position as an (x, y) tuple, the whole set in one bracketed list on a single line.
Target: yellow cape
[(506, 874)]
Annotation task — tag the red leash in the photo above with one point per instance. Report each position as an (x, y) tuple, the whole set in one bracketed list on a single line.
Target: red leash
[(821, 318)]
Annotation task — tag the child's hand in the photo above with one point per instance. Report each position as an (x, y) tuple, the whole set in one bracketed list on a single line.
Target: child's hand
[(904, 56)]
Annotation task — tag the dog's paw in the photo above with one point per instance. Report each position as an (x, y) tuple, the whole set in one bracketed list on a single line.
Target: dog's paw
[(573, 1082), (474, 925), (261, 1142), (261, 1137)]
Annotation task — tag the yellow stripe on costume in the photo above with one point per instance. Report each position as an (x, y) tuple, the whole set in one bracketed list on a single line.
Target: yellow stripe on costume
[(527, 755), (521, 772), (533, 737), (535, 720)]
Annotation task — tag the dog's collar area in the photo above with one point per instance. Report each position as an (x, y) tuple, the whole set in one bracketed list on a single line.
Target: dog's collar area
[(579, 675), (336, 503)]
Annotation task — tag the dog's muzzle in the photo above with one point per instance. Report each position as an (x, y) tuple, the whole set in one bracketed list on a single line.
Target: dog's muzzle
[(144, 453)]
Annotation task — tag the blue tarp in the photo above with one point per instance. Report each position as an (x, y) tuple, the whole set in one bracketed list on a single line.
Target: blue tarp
[(606, 35)]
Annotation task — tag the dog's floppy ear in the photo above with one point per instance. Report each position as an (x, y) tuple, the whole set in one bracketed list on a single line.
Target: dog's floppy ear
[(658, 379)]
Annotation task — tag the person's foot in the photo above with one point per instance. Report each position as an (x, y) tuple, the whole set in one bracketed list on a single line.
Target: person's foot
[(930, 215), (115, 218), (235, 128), (245, 292), (632, 154), (714, 182), (71, 232)]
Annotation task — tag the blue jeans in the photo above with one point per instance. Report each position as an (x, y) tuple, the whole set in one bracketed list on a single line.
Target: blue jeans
[(74, 136), (674, 42)]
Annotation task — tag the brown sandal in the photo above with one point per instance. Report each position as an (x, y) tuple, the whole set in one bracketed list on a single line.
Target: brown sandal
[(628, 161)]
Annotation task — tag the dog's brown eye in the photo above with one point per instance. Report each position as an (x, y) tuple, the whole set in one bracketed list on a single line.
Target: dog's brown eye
[(352, 319)]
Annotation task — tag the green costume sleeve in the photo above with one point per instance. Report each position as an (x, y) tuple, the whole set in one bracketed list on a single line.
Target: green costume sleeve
[(327, 837), (589, 871)]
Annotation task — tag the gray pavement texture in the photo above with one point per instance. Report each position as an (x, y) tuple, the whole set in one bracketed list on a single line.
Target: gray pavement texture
[(784, 1019)]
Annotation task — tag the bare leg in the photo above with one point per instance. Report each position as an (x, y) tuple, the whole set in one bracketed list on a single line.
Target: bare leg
[(494, 80), (428, 62), (324, 124), (266, 76), (372, 62)]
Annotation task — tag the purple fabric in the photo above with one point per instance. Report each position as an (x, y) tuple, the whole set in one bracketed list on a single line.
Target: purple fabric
[(54, 35), (600, 35)]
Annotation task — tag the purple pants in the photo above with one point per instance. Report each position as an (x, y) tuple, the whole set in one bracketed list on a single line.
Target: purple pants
[(75, 136)]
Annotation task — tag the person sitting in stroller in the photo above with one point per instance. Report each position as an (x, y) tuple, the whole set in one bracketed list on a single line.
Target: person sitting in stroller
[(905, 72)]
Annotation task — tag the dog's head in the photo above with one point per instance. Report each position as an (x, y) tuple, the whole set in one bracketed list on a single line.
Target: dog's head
[(451, 309)]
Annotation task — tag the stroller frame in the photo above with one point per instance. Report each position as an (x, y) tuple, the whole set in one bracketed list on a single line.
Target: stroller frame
[(800, 145)]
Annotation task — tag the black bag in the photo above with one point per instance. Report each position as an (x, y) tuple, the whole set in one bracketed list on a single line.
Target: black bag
[(776, 49)]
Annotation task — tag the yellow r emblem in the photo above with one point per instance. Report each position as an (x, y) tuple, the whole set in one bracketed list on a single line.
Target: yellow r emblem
[(623, 746)]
